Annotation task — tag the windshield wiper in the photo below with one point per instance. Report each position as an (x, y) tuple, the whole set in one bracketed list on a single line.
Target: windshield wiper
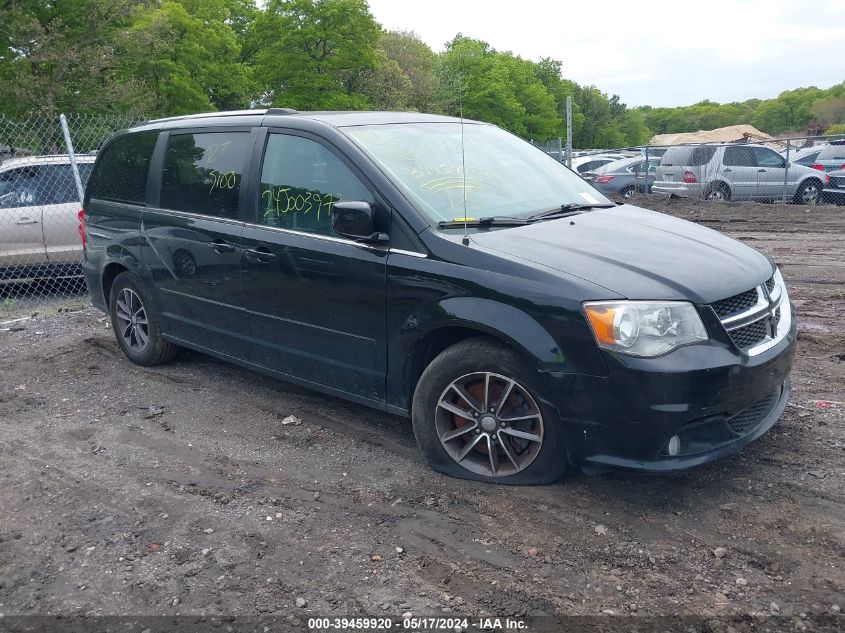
[(501, 220), (564, 210)]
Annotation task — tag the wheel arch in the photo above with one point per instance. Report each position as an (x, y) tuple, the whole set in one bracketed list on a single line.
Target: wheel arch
[(718, 184), (118, 259), (468, 317)]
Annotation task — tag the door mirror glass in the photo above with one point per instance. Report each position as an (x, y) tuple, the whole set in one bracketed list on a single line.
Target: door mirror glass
[(355, 220)]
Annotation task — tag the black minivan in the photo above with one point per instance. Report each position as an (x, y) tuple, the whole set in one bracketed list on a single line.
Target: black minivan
[(442, 270)]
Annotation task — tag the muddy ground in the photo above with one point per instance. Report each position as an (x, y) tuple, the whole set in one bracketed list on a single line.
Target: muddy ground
[(178, 489)]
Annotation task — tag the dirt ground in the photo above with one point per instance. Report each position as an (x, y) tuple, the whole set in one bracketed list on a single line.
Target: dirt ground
[(179, 489)]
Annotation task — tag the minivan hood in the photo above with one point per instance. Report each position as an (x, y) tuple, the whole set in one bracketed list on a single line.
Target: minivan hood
[(636, 253)]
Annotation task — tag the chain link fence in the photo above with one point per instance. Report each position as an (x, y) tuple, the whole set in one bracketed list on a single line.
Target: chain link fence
[(41, 179)]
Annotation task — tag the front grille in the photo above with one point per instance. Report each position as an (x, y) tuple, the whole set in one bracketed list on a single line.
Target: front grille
[(750, 335), (838, 182), (745, 421), (736, 304), (770, 284)]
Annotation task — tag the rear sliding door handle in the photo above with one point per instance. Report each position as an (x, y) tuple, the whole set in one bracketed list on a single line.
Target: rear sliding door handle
[(728, 169), (219, 246), (259, 255), (26, 220), (761, 170)]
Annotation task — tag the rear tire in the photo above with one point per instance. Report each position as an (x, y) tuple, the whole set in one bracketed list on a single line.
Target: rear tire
[(810, 192), (136, 323), (718, 191), (511, 435), (627, 192)]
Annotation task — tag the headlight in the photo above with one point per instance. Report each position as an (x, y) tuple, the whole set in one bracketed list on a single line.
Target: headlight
[(644, 328)]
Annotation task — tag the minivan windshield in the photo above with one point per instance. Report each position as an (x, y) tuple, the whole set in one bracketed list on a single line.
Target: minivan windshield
[(505, 176)]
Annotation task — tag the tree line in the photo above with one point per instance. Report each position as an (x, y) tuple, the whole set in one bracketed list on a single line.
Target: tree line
[(151, 58)]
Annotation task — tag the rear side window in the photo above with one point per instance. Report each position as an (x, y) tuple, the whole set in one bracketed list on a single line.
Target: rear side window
[(833, 152), (809, 159), (740, 157), (38, 185), (122, 169), (590, 165), (202, 172), (688, 156)]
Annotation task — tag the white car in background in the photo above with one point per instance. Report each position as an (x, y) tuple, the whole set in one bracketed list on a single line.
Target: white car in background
[(39, 204), (591, 162)]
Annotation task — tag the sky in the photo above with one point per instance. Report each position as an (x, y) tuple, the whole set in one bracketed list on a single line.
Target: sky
[(667, 53)]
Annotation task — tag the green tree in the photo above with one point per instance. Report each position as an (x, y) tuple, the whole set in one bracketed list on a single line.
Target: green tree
[(61, 56), (187, 54), (314, 54), (498, 88), (417, 62)]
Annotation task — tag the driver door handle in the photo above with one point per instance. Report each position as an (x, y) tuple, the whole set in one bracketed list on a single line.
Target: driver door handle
[(261, 255), (761, 170), (26, 220), (220, 246)]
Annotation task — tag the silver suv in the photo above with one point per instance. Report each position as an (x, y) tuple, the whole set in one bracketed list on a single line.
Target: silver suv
[(735, 172), (39, 203), (832, 157)]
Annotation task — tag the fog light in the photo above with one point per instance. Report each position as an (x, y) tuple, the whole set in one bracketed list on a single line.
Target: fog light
[(674, 446)]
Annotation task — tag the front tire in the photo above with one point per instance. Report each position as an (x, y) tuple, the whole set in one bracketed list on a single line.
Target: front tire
[(136, 323), (809, 192), (479, 413)]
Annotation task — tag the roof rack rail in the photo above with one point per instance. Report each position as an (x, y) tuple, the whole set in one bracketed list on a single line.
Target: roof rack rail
[(282, 111)]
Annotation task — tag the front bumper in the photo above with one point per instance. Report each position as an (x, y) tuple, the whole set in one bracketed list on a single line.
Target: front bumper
[(834, 196), (715, 400)]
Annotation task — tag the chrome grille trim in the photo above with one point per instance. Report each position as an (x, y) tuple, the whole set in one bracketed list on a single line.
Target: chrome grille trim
[(771, 308)]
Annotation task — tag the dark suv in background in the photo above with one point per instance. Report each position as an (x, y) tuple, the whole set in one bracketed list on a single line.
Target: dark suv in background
[(443, 270)]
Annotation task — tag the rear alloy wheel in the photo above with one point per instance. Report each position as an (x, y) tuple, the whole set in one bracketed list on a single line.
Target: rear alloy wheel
[(479, 413), (136, 323), (131, 320), (628, 191), (808, 193), (718, 192)]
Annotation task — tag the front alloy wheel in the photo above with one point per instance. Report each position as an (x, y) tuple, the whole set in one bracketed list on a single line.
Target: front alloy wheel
[(809, 194), (481, 411), (489, 424)]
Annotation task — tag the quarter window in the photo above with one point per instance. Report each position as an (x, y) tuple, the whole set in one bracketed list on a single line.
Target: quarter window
[(300, 181), (122, 169), (202, 172)]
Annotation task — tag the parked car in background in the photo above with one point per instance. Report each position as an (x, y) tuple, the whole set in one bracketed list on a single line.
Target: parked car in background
[(832, 157), (834, 192), (39, 203), (735, 172), (805, 156), (591, 162), (624, 177)]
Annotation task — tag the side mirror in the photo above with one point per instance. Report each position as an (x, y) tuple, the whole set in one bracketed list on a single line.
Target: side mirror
[(356, 220)]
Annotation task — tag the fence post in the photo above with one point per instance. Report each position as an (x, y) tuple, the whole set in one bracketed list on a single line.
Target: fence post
[(569, 132), (74, 167), (786, 172)]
